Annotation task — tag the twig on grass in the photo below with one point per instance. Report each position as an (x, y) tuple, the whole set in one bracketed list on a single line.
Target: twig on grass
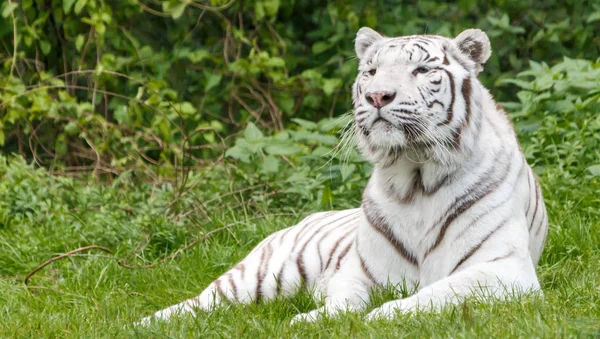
[(121, 262), (64, 255)]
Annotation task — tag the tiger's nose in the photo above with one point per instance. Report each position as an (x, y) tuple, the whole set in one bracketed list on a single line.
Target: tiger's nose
[(380, 99)]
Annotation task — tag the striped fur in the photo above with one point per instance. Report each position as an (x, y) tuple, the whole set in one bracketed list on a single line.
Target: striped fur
[(452, 206)]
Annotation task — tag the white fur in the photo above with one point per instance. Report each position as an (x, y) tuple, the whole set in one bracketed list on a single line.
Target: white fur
[(480, 232)]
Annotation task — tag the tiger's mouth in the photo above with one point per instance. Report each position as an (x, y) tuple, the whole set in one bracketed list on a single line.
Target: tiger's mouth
[(412, 131), (381, 119)]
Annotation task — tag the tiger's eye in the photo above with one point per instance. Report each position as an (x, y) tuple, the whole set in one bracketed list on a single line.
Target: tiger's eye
[(373, 71), (421, 70)]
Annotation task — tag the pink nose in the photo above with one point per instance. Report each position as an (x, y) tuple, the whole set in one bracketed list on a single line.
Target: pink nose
[(380, 99)]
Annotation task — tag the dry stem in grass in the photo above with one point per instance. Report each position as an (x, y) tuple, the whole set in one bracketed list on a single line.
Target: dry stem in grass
[(121, 262)]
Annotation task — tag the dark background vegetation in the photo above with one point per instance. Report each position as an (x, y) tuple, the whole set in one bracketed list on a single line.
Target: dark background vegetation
[(192, 129), (108, 85)]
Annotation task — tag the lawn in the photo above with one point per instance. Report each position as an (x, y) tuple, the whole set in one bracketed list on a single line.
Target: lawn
[(173, 136), (90, 295)]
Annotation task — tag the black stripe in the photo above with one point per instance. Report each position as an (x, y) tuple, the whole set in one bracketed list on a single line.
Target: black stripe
[(430, 104), (536, 203), (378, 223), (242, 268), (475, 248), (528, 192), (466, 92), (335, 246), (342, 255), (321, 227), (415, 187), (449, 111), (261, 272), (283, 234), (468, 199), (220, 289), (279, 278), (233, 286), (442, 182), (423, 49), (402, 110), (423, 96), (503, 256), (308, 226), (301, 270), (544, 216), (491, 209), (365, 269), (303, 249)]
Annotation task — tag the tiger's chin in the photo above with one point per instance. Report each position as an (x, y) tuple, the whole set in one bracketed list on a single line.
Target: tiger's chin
[(382, 143)]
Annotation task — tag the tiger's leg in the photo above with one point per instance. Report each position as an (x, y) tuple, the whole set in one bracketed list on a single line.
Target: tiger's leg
[(492, 274), (264, 274), (347, 290), (279, 266)]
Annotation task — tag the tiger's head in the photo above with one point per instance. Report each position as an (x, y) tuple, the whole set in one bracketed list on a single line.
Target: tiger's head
[(416, 93)]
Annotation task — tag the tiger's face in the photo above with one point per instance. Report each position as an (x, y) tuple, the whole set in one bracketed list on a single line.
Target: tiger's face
[(414, 92)]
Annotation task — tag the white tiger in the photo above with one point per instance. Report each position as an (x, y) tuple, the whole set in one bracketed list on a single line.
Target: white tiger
[(452, 206)]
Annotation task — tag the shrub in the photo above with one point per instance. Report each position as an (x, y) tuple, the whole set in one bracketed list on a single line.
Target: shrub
[(102, 86)]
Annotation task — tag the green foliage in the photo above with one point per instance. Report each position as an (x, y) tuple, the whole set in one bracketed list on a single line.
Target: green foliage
[(557, 116), (106, 86), (306, 159), (236, 111)]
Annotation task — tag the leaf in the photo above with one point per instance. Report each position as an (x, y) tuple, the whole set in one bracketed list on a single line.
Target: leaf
[(282, 136), (239, 153), (25, 4), (72, 128), (521, 83), (198, 55), (326, 197), (252, 133), (187, 108), (594, 170), (45, 46), (346, 170), (309, 125), (177, 10), (593, 17), (79, 41), (121, 114), (79, 6), (320, 47), (283, 149), (9, 7), (270, 164), (213, 80), (286, 103), (67, 6), (330, 85), (60, 145), (271, 7), (321, 139)]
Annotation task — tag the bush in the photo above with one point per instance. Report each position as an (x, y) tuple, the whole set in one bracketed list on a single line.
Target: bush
[(104, 86)]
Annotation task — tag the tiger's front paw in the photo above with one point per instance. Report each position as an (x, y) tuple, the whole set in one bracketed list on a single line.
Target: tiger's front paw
[(308, 317), (388, 310)]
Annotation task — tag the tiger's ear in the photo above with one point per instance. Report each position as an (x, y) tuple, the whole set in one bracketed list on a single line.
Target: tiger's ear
[(475, 44), (365, 37)]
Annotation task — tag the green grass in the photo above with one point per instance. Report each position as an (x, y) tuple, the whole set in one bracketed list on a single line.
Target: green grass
[(92, 296)]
